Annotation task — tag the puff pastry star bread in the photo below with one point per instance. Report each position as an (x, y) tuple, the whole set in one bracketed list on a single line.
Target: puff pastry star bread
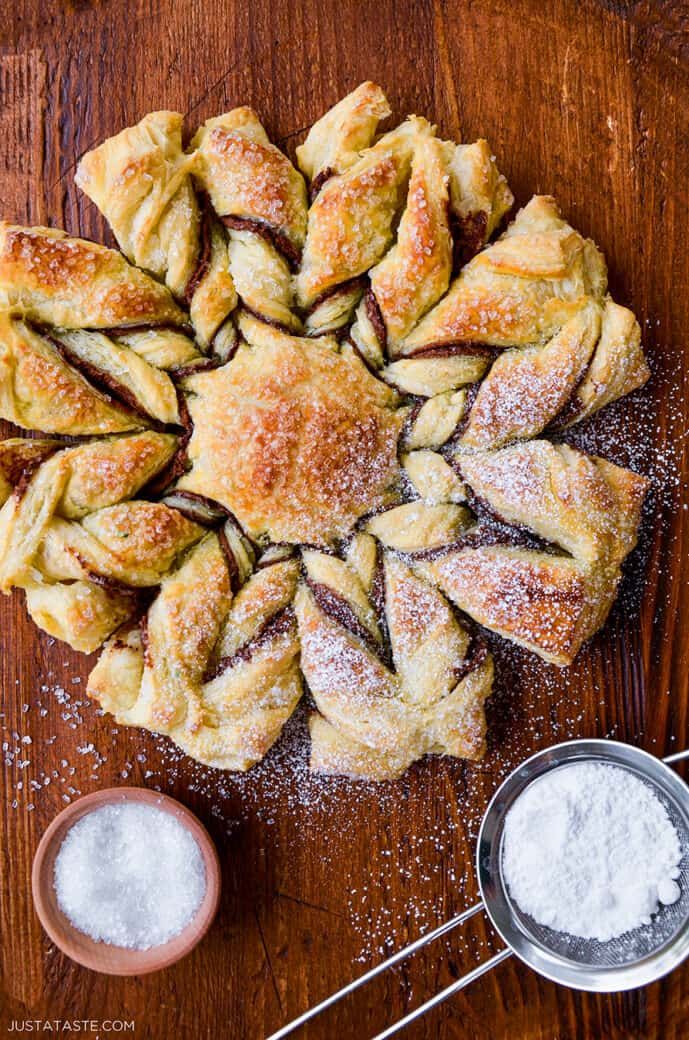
[(307, 430)]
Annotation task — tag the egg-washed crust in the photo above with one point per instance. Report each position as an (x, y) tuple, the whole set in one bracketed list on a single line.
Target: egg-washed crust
[(72, 283), (294, 437), (311, 405)]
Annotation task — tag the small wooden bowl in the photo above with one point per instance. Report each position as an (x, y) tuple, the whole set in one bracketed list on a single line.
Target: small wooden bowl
[(100, 956)]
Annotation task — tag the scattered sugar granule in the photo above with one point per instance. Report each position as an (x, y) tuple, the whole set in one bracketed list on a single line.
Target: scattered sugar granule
[(129, 875), (590, 850)]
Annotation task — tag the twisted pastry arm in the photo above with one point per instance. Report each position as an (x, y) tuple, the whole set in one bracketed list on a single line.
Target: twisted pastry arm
[(376, 716), (74, 284), (358, 190), (350, 224), (552, 592), (70, 537), (479, 197), (416, 271), (39, 390), (139, 179), (518, 291), (455, 200), (217, 675), (595, 358), (261, 200), (334, 141), (58, 371), (528, 324), (141, 182)]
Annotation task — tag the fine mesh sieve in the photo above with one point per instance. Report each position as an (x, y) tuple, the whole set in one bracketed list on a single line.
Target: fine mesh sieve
[(634, 959), (631, 960)]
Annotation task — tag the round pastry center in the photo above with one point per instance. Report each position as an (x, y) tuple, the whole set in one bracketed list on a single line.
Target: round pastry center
[(296, 439)]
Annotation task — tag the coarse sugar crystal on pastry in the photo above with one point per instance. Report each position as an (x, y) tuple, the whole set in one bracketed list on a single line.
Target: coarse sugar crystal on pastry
[(319, 409)]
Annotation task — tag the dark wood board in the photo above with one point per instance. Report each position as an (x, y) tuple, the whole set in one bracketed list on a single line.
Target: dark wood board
[(586, 100)]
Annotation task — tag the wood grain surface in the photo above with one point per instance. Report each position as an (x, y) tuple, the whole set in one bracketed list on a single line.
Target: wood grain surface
[(586, 100)]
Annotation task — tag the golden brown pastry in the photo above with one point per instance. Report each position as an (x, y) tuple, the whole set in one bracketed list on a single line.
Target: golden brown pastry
[(261, 200), (334, 142), (70, 283), (479, 196), (19, 458), (593, 359), (383, 704), (455, 200), (552, 596), (39, 390), (218, 675), (71, 536), (520, 289), (76, 324), (141, 182), (320, 398), (294, 436), (416, 271), (351, 221)]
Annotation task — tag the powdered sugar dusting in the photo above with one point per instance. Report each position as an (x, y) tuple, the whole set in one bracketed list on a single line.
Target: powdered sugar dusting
[(590, 850), (421, 828)]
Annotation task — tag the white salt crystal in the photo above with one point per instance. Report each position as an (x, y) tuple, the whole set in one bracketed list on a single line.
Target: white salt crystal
[(129, 875)]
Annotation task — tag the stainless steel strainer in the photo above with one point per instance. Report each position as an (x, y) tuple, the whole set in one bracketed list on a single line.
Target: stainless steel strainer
[(634, 959)]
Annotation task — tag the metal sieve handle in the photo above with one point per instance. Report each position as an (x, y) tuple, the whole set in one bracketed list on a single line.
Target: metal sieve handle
[(455, 987), (447, 926), (679, 756)]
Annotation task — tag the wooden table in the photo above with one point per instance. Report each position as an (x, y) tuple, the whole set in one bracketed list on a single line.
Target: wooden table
[(586, 100)]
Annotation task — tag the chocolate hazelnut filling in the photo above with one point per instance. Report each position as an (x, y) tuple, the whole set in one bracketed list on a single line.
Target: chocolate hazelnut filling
[(277, 238), (519, 534), (375, 316), (378, 599), (273, 628), (203, 260), (179, 463), (474, 538), (230, 560), (118, 641), (20, 473), (232, 564), (338, 609), (319, 180), (342, 288), (461, 427), (106, 384), (277, 552), (468, 237), (281, 326), (573, 406), (206, 364), (408, 426), (468, 349), (146, 326), (476, 655), (104, 580), (197, 508)]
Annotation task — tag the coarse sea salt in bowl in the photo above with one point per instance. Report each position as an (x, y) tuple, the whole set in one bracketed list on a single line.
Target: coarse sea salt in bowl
[(76, 890)]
